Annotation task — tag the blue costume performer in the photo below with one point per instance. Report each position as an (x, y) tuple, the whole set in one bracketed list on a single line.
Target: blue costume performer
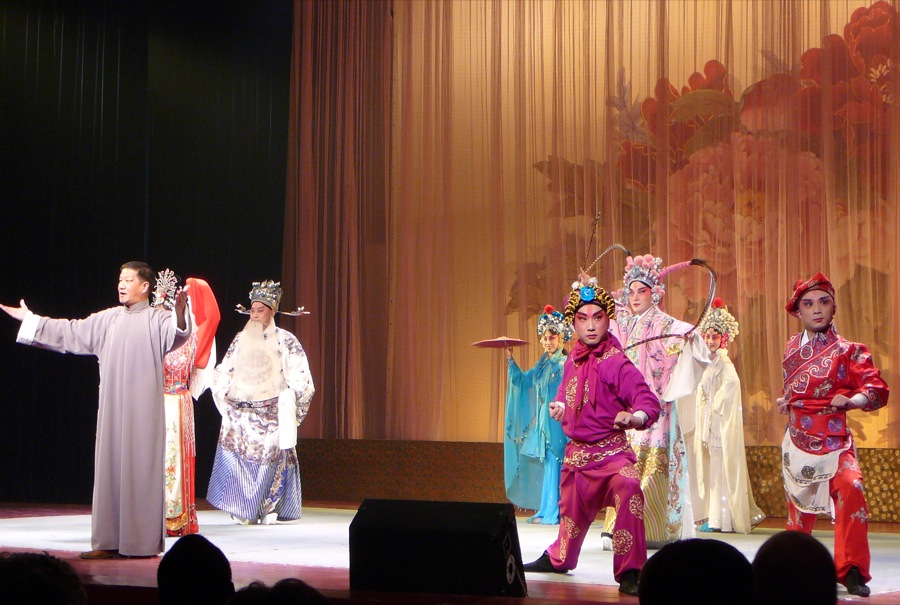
[(534, 443)]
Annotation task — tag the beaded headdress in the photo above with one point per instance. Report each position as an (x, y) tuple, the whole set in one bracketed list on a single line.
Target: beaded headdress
[(720, 319), (166, 285), (268, 293), (646, 269), (817, 282), (588, 294), (554, 321)]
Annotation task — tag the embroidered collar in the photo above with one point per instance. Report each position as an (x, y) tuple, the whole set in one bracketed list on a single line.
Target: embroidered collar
[(819, 338)]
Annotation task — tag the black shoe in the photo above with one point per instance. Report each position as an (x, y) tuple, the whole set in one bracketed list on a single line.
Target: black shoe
[(542, 565), (854, 585), (629, 583)]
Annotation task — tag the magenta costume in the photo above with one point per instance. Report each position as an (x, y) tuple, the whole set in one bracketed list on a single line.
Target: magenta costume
[(598, 469)]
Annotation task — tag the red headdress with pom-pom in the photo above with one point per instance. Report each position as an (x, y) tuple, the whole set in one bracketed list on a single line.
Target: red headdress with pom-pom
[(554, 321)]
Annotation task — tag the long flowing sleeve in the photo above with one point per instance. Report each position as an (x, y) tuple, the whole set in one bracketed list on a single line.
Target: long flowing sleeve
[(222, 379), (76, 336), (297, 375), (202, 378), (520, 401), (293, 402), (523, 475), (688, 370)]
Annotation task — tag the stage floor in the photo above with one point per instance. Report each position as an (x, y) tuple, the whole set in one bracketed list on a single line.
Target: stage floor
[(316, 549)]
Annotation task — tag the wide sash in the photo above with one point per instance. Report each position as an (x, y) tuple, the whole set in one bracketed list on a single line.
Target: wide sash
[(818, 433), (583, 456)]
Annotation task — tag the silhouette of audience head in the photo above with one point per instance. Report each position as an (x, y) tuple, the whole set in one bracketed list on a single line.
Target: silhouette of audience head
[(792, 567), (194, 572), (697, 571), (290, 591), (28, 577)]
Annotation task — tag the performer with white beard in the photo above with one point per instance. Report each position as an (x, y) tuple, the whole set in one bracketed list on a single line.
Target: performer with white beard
[(262, 388)]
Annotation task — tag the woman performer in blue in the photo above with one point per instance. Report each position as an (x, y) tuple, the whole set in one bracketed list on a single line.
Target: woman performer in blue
[(534, 443)]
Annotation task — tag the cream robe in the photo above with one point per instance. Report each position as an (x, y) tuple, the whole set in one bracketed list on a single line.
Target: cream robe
[(255, 472), (719, 409)]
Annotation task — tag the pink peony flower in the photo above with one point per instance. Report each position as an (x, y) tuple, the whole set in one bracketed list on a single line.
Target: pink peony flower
[(724, 202)]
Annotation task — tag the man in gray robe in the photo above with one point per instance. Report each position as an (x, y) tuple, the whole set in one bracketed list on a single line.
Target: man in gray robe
[(130, 342)]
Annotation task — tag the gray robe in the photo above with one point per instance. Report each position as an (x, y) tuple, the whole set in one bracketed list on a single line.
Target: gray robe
[(130, 345)]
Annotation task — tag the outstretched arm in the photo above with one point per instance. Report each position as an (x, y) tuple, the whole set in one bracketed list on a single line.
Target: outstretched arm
[(17, 313)]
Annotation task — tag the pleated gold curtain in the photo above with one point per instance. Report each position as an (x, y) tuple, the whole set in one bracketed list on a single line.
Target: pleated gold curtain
[(488, 137)]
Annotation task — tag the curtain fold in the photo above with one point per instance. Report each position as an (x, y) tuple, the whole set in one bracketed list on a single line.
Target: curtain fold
[(335, 238), (505, 143)]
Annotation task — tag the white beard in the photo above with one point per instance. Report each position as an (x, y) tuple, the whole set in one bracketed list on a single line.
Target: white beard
[(257, 365)]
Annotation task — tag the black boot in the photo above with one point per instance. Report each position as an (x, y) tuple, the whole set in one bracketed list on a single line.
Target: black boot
[(854, 585), (542, 565), (629, 583)]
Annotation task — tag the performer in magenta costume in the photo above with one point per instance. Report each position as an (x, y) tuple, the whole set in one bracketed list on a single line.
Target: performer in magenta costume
[(601, 395), (825, 375)]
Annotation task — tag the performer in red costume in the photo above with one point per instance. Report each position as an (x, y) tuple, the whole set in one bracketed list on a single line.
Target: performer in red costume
[(601, 395), (825, 375), (189, 370)]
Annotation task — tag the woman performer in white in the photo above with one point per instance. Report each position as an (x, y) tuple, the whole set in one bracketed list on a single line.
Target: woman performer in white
[(723, 499)]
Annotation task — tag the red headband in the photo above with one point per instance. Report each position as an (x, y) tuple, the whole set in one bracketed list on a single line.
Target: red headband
[(816, 282)]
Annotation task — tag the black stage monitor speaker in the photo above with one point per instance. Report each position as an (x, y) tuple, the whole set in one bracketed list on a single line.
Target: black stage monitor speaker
[(436, 547)]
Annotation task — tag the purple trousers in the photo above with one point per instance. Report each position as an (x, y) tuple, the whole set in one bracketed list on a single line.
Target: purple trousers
[(590, 481)]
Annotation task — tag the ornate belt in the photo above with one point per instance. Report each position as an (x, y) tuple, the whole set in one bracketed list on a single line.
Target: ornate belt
[(579, 454), (264, 403)]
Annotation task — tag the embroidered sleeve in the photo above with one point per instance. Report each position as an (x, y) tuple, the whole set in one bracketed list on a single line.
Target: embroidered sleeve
[(866, 379)]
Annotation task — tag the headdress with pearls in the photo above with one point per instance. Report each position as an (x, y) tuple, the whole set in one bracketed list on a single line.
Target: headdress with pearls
[(166, 285), (554, 321), (721, 320), (268, 293), (646, 269)]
